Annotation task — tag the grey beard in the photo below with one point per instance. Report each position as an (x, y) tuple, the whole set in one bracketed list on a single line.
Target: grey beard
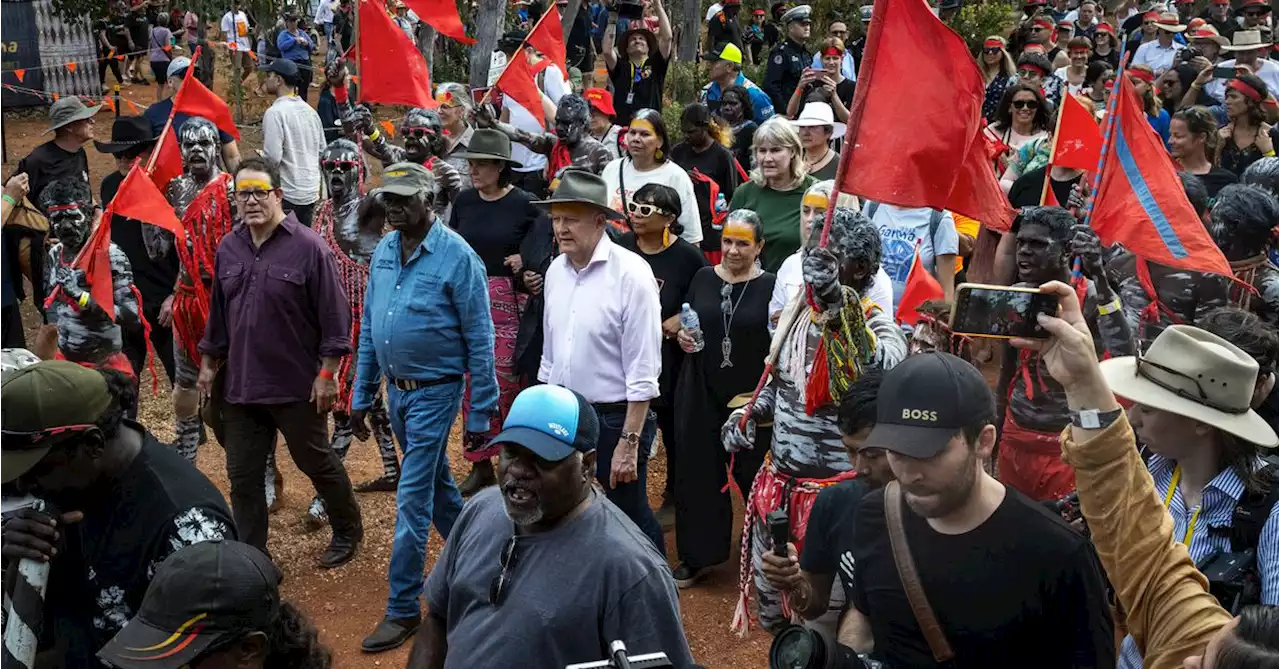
[(524, 519)]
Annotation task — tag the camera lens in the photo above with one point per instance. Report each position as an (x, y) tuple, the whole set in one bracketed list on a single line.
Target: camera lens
[(797, 647)]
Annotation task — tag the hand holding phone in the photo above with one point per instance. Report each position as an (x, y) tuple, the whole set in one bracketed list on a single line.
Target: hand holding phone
[(1001, 312)]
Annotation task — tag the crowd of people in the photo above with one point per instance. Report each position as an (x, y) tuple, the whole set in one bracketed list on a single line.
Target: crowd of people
[(570, 281)]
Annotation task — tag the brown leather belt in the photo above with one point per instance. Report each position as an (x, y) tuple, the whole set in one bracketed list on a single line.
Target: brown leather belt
[(410, 384)]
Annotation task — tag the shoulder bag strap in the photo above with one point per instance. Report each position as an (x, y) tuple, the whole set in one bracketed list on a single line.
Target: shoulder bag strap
[(906, 565)]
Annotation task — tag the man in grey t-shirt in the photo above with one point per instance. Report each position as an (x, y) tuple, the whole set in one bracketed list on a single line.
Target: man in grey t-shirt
[(543, 570)]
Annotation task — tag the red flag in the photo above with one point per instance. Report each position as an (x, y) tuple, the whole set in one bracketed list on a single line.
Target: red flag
[(1077, 142), (394, 72), (911, 142), (1047, 197), (138, 198), (1140, 201), (166, 161), (548, 38), (517, 82), (439, 14), (194, 99), (920, 288)]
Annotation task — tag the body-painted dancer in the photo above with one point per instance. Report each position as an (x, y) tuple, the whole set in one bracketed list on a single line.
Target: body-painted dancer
[(424, 143), (821, 346), (86, 334), (352, 238), (570, 146)]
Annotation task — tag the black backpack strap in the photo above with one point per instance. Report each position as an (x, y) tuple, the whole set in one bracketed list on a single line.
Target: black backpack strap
[(935, 221), (872, 206), (1252, 511)]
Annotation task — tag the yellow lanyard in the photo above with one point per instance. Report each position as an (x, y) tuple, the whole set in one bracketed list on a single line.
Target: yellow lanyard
[(1168, 499)]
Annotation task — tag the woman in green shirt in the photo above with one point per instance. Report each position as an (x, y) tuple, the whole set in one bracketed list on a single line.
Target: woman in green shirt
[(775, 190)]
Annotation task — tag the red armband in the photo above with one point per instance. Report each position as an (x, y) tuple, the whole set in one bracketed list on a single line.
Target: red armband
[(340, 94)]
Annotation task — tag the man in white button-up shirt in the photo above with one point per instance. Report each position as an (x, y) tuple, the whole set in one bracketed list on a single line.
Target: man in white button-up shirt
[(603, 333)]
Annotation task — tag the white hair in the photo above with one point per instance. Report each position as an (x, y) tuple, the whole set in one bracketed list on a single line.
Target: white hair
[(777, 131)]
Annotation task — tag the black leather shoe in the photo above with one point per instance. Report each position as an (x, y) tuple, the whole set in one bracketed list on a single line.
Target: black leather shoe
[(383, 483), (390, 633), (341, 550), (481, 477)]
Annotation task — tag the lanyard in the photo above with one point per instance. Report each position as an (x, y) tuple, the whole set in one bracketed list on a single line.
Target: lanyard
[(1168, 499)]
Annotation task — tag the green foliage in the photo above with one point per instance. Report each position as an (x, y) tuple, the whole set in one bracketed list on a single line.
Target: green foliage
[(976, 21)]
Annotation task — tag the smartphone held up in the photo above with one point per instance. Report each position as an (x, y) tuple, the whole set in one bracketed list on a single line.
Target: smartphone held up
[(1001, 312)]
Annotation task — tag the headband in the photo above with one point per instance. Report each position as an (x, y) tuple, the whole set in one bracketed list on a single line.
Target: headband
[(264, 185), (1241, 88), (1043, 22), (1142, 75), (62, 207), (832, 51), (1106, 28), (1033, 67), (739, 229), (993, 44), (815, 201), (1154, 16)]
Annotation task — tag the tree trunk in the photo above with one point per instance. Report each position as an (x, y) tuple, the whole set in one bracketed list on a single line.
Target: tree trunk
[(427, 46), (690, 23), (567, 18), (491, 19)]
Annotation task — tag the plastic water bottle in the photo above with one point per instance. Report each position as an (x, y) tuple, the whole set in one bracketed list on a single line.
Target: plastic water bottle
[(692, 327)]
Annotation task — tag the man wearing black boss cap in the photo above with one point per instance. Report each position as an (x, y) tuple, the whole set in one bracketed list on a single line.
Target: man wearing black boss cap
[(216, 604), (1009, 583)]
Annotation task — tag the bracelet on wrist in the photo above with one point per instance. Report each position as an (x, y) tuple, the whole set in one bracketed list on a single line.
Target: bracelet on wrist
[(1110, 307), (325, 374), (84, 300), (1270, 154), (373, 136), (8, 198)]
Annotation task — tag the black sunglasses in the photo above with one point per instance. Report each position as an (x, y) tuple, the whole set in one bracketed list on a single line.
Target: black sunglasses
[(1202, 398), (418, 133), (498, 588), (1025, 104), (991, 49)]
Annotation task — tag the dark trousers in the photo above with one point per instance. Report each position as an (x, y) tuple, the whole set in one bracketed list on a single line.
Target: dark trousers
[(108, 62), (302, 211), (135, 342), (251, 434), (11, 323), (304, 78), (704, 515), (632, 498)]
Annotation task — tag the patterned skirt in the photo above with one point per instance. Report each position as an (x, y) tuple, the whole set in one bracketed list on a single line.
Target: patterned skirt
[(505, 306)]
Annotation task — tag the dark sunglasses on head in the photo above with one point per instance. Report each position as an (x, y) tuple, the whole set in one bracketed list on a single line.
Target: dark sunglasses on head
[(419, 133), (1025, 104), (498, 588), (339, 165)]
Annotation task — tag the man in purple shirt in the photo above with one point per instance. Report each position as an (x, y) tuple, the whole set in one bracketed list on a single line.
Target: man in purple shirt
[(279, 321)]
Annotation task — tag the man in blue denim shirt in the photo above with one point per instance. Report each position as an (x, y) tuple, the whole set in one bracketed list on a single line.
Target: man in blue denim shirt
[(426, 324)]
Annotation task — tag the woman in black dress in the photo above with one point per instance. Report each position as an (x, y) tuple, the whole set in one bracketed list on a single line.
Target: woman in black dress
[(654, 211), (732, 303)]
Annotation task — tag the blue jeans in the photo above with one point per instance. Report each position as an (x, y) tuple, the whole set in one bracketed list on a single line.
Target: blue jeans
[(632, 498), (421, 420)]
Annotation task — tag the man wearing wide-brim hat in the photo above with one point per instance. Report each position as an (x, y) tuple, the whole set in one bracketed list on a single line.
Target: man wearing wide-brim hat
[(1253, 14), (1206, 39), (71, 123), (603, 336), (637, 78), (1192, 395), (132, 139), (1249, 50), (1161, 53)]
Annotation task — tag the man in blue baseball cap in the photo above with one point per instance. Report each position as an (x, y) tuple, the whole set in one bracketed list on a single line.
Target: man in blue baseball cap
[(543, 547)]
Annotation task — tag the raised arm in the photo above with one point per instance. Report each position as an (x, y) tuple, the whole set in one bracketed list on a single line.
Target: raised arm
[(540, 142), (665, 36)]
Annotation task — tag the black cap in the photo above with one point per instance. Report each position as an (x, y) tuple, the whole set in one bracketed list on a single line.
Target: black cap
[(925, 400), (287, 69), (205, 593)]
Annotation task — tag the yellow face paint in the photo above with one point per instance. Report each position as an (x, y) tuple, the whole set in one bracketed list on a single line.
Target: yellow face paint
[(641, 124), (739, 230), (253, 184), (815, 201)]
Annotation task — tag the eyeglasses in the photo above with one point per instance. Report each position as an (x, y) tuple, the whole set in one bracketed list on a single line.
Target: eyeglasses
[(419, 132), (259, 195), (1038, 29), (1203, 398), (644, 209), (338, 165), (1025, 104), (498, 588)]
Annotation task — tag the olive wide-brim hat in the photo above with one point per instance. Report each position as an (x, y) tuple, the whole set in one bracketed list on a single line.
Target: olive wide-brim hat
[(490, 144), (581, 187)]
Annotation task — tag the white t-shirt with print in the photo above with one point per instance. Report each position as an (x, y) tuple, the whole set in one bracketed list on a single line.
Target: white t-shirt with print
[(667, 174), (900, 229), (235, 26)]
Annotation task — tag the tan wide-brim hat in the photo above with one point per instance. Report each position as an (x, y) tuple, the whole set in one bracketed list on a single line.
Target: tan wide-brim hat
[(1168, 21), (1246, 40), (1196, 374)]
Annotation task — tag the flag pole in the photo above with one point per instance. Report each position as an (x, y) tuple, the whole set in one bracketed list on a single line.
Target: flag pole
[(177, 96), (356, 24), (1106, 140), (519, 52)]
